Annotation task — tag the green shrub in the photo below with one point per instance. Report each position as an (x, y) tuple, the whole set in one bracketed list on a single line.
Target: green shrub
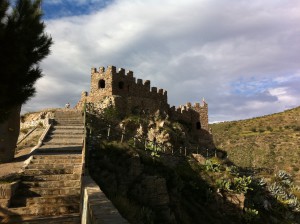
[(110, 114), (212, 165), (250, 215), (224, 184), (241, 184)]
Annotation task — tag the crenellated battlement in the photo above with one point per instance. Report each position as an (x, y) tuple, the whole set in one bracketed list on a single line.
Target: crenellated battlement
[(112, 70), (127, 79)]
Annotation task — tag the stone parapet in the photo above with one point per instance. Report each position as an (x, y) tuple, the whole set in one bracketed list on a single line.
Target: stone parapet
[(97, 208)]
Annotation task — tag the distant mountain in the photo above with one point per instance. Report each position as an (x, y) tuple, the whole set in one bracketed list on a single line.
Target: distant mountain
[(271, 141)]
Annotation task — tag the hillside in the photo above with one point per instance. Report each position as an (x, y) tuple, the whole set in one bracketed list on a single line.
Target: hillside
[(149, 184), (271, 141)]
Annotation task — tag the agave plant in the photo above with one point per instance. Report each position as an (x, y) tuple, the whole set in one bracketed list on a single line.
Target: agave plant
[(284, 177)]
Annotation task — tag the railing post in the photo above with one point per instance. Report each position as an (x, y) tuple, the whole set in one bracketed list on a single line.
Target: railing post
[(85, 139), (108, 132), (185, 150), (123, 133)]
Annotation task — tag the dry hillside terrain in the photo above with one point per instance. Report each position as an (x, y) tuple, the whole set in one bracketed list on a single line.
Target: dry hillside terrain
[(271, 141)]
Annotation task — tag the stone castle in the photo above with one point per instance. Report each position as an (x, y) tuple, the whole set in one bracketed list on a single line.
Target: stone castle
[(131, 96)]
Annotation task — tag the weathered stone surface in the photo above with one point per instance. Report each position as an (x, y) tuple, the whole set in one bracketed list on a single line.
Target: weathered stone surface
[(97, 208), (236, 199), (200, 159), (152, 190), (7, 190)]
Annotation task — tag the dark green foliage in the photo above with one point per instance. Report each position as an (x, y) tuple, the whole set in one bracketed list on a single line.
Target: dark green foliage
[(111, 115), (23, 45)]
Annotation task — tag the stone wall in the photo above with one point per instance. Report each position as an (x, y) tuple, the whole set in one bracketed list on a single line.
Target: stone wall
[(7, 190), (96, 207), (196, 115)]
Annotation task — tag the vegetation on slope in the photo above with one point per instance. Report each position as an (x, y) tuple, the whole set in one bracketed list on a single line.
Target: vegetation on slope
[(172, 189), (149, 187), (271, 141)]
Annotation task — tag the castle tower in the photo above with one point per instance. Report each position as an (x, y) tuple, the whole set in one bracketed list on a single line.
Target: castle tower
[(101, 82), (201, 121)]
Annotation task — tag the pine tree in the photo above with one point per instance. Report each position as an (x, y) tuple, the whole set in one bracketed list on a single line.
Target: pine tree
[(23, 44)]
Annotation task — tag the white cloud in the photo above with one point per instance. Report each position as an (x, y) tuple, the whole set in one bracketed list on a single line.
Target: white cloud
[(191, 48)]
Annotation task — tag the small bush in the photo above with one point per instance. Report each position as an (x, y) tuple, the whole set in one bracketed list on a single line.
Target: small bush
[(24, 131), (296, 128), (269, 128)]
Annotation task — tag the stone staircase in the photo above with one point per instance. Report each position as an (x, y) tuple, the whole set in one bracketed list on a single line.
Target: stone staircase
[(49, 191)]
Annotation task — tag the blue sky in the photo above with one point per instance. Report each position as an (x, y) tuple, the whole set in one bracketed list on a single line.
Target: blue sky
[(241, 56), (61, 8)]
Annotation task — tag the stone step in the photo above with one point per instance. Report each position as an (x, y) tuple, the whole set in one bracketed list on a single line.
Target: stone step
[(58, 124), (49, 184), (55, 177), (71, 119), (55, 171), (57, 161), (67, 128), (57, 200), (68, 115), (60, 219), (64, 138), (42, 210), (66, 132), (51, 148), (37, 191), (66, 135), (53, 165), (57, 156), (63, 141), (32, 199)]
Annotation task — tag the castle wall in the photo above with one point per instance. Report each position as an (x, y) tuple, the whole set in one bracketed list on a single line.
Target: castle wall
[(133, 95), (196, 115)]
